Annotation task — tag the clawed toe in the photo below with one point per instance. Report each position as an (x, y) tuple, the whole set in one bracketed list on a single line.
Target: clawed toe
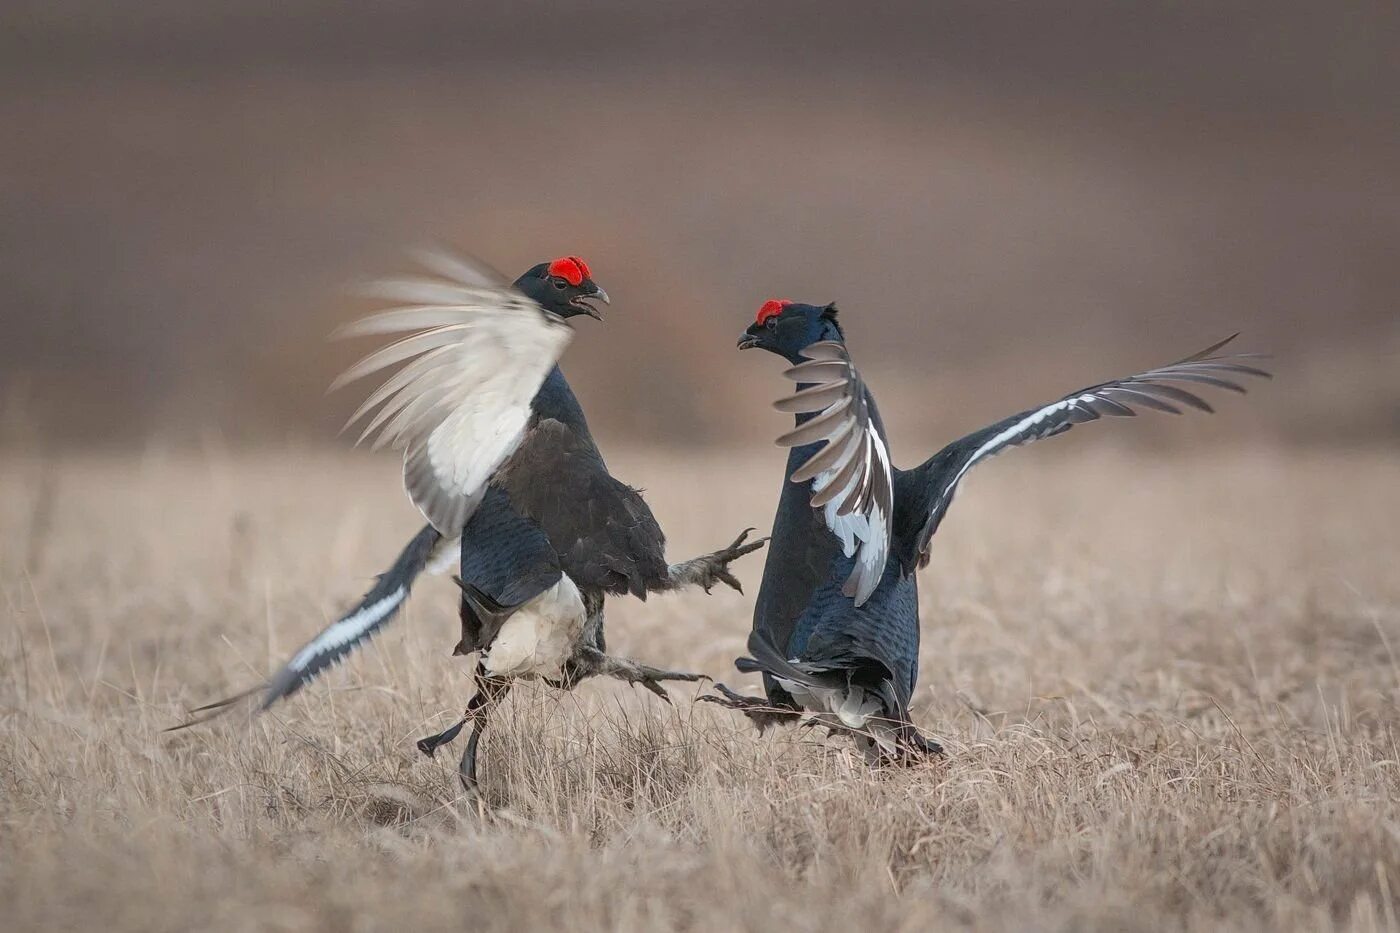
[(760, 710), (738, 548), (676, 675), (654, 687), (651, 678), (729, 698)]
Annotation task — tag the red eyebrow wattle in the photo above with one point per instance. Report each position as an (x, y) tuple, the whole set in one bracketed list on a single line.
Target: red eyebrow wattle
[(771, 307), (571, 269)]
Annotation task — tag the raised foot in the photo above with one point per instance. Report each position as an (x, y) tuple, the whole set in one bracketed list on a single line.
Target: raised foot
[(590, 662), (710, 569)]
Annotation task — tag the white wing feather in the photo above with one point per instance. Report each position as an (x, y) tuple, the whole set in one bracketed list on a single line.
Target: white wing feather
[(851, 475), (474, 358)]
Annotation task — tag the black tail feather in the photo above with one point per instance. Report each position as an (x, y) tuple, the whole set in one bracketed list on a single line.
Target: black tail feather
[(767, 658), (208, 711), (487, 608)]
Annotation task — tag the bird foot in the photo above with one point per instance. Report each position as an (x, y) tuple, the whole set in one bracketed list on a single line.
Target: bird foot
[(489, 691), (590, 662), (709, 569), (760, 711)]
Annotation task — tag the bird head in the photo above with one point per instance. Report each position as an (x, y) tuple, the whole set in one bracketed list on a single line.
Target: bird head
[(564, 287), (788, 327)]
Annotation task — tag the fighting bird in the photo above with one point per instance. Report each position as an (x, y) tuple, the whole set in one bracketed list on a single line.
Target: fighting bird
[(499, 459), (836, 623)]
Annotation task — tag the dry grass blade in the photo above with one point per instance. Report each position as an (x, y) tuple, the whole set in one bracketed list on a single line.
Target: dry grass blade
[(1177, 712)]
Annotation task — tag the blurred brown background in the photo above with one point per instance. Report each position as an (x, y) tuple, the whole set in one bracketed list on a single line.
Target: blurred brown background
[(1008, 199)]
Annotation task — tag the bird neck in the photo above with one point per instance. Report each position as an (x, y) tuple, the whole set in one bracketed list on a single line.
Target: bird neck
[(828, 330)]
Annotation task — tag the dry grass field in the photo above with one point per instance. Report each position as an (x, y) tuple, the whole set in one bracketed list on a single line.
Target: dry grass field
[(1168, 688)]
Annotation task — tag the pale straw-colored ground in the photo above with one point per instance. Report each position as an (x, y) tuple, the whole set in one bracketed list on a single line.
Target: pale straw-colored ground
[(1168, 689)]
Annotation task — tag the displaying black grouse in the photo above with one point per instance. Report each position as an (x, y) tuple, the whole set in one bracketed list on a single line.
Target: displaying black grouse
[(836, 624), (499, 458)]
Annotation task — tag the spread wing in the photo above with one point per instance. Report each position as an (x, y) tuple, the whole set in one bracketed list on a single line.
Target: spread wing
[(1158, 389), (851, 477), (475, 354)]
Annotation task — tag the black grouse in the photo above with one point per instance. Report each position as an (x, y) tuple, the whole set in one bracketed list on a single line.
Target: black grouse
[(836, 624), (499, 458)]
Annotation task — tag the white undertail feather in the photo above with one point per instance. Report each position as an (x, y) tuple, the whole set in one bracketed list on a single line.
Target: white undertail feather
[(445, 556), (539, 636), (854, 707)]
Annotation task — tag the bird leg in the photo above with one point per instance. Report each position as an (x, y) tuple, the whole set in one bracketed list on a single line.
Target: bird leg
[(466, 767), (588, 661), (489, 691), (761, 712), (707, 570)]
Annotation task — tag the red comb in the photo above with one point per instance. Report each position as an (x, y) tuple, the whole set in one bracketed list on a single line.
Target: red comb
[(571, 269), (771, 307)]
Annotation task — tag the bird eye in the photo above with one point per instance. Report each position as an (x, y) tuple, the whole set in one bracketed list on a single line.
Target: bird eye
[(560, 283), (772, 323)]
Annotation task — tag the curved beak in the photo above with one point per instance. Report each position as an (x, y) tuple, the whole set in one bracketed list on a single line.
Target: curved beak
[(748, 341), (582, 302)]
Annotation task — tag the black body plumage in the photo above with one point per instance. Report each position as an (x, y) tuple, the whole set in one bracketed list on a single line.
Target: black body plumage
[(837, 618), (498, 453), (554, 509)]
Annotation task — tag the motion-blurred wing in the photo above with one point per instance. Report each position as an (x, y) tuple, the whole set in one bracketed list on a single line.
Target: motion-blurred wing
[(476, 353), (1157, 389), (851, 476)]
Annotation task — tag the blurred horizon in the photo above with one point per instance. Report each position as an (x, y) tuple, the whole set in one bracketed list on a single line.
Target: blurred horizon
[(1007, 201)]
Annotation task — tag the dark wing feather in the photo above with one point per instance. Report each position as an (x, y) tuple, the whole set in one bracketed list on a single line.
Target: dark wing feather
[(505, 556), (852, 480), (606, 537), (936, 480)]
